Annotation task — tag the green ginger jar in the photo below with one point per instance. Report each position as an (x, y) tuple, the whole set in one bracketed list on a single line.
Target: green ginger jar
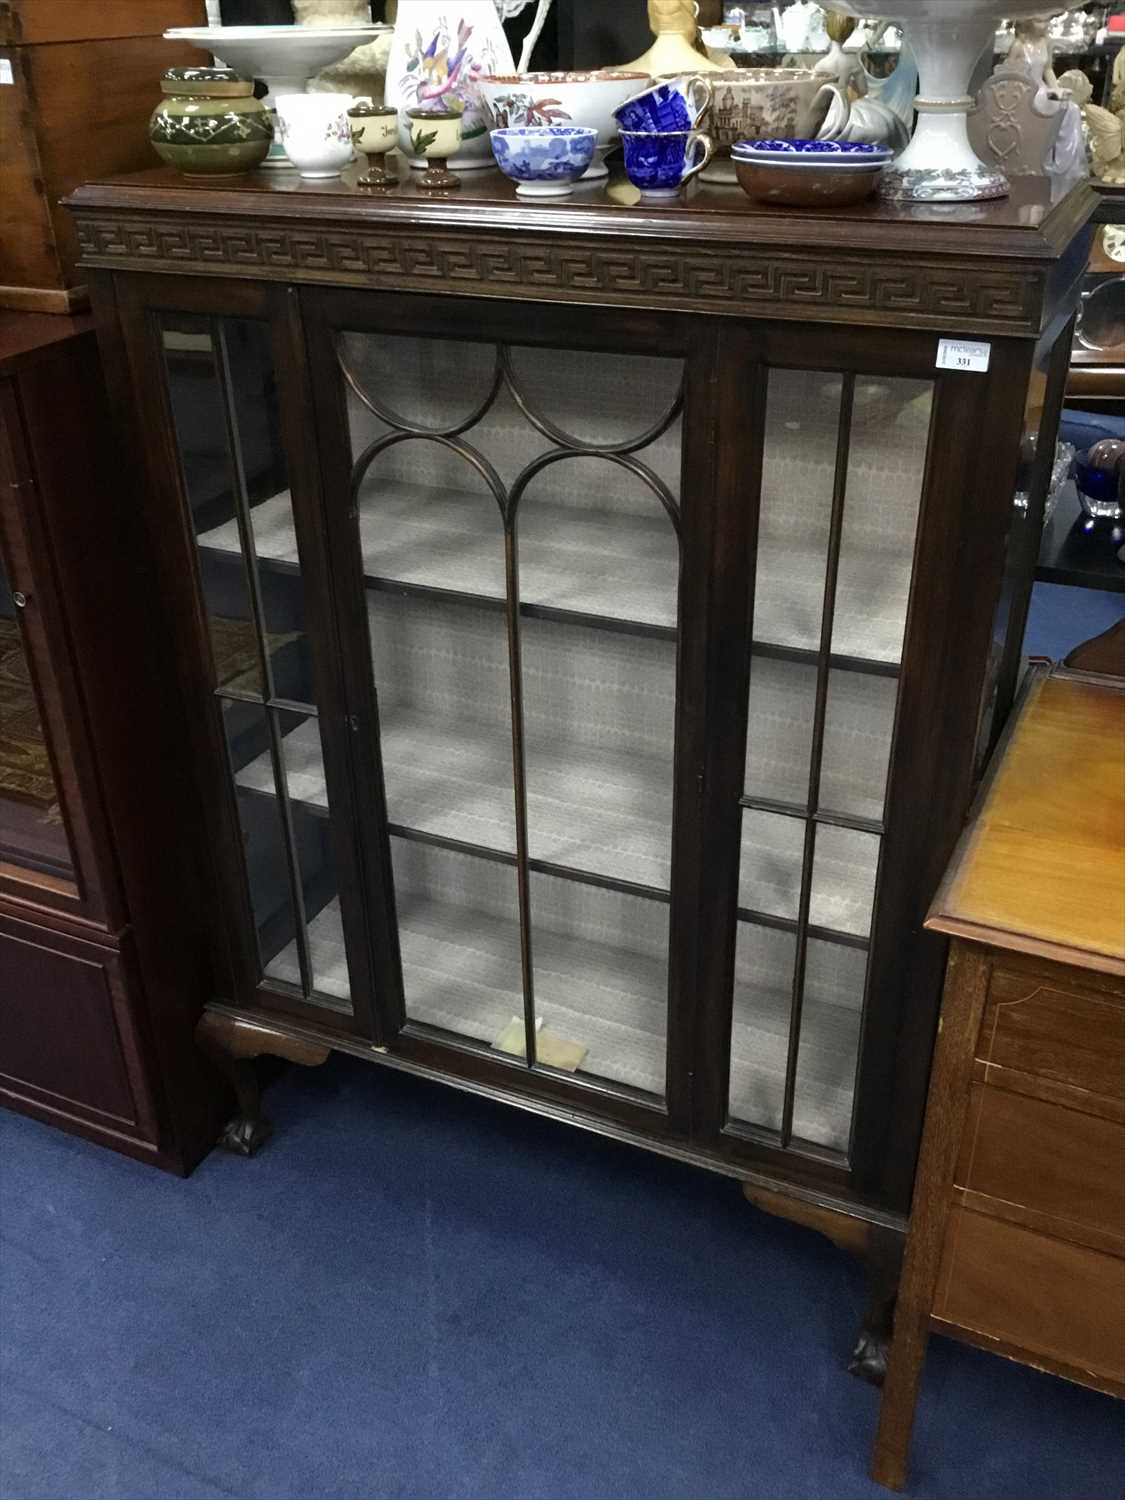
[(209, 124)]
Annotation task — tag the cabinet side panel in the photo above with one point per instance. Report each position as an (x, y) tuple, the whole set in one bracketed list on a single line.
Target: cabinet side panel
[(958, 566)]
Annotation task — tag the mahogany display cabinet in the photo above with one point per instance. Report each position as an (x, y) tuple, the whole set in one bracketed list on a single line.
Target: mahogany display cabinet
[(102, 967), (593, 618)]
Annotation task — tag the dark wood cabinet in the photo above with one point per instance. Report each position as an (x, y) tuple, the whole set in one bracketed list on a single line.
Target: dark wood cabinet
[(102, 966), (593, 620)]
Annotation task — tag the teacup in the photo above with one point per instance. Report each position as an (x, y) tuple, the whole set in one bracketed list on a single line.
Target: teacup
[(660, 162), (670, 104), (770, 104), (316, 132)]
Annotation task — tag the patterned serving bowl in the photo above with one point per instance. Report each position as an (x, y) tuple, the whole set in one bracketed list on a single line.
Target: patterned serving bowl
[(514, 99), (544, 161), (809, 174)]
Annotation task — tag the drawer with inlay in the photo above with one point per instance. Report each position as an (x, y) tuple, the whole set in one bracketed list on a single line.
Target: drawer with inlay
[(1054, 1030)]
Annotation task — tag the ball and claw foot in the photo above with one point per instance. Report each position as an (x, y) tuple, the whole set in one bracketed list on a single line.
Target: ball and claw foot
[(233, 1045), (869, 1357), (245, 1137)]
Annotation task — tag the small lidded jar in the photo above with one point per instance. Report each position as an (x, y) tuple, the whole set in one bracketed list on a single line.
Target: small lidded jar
[(209, 124)]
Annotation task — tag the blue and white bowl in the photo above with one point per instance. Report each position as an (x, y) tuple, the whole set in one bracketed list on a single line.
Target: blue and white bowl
[(833, 156), (544, 161)]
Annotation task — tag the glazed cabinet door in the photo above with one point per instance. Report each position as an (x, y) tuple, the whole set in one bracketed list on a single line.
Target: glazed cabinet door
[(46, 854), (245, 578), (512, 503), (850, 652)]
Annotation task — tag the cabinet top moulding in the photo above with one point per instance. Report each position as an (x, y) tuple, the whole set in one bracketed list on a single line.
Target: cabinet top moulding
[(994, 268)]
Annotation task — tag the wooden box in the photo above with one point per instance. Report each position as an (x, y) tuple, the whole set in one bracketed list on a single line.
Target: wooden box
[(77, 85)]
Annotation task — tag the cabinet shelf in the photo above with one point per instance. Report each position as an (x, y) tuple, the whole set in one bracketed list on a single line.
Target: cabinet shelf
[(461, 978), (592, 811), (616, 834), (623, 577)]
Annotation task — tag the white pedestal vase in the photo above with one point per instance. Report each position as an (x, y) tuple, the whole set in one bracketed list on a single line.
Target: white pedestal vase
[(439, 51), (948, 38)]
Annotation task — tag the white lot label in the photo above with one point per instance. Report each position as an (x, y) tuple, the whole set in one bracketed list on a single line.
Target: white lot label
[(956, 354), (6, 70)]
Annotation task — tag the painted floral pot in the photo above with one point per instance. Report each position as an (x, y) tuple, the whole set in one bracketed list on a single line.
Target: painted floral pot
[(544, 161), (209, 124), (562, 99), (439, 53), (661, 162)]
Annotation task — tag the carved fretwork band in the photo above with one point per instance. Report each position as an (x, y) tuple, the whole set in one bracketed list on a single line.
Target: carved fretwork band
[(691, 277)]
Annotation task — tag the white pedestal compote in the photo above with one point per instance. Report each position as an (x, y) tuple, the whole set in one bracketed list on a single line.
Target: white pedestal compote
[(283, 57), (948, 38)]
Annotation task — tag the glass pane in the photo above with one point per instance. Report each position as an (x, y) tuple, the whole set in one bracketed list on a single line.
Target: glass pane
[(459, 933), (601, 982), (315, 923), (770, 870), (798, 471), (32, 833), (595, 539), (826, 1059), (441, 672), (843, 882), (830, 1026), (225, 408), (779, 734), (599, 728), (246, 727), (859, 722), (763, 996), (858, 728), (886, 465)]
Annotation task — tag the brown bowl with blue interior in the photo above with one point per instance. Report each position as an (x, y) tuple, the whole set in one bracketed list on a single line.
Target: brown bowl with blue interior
[(809, 174)]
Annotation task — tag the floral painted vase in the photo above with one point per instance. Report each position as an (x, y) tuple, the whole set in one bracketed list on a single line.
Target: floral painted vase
[(209, 124), (438, 53)]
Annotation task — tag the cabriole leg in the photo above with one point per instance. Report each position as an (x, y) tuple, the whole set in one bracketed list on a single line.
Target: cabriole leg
[(233, 1045)]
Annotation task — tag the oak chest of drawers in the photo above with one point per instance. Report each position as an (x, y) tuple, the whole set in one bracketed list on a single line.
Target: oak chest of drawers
[(1017, 1238)]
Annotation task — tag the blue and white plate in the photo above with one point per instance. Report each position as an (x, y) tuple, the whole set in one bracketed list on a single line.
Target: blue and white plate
[(830, 155)]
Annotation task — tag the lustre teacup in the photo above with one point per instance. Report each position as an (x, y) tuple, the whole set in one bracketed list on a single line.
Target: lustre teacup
[(660, 162)]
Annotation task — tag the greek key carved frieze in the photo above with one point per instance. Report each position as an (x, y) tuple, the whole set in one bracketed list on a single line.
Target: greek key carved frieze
[(722, 279)]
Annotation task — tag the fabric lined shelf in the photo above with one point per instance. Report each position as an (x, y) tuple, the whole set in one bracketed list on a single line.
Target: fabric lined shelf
[(591, 810), (461, 974), (619, 565)]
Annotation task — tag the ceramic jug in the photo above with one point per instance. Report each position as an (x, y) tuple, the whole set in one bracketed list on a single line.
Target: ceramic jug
[(439, 51)]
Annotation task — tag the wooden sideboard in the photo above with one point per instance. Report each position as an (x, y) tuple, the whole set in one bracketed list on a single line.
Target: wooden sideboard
[(102, 965), (592, 616), (1017, 1233)]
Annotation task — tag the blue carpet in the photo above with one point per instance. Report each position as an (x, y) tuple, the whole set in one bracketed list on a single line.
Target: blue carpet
[(1061, 618), (418, 1295)]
